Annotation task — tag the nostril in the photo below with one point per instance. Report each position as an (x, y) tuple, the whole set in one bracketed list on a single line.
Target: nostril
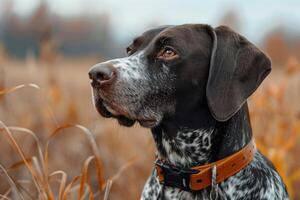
[(102, 73), (103, 76)]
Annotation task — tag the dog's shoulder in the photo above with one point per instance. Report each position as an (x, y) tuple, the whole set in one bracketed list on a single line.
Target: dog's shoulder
[(259, 180)]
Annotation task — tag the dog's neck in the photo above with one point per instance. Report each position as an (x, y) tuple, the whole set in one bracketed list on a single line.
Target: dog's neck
[(204, 140)]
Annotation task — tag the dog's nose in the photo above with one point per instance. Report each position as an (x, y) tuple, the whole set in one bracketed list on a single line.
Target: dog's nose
[(102, 73)]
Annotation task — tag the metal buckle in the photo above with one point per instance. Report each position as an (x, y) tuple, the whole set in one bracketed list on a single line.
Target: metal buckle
[(175, 176)]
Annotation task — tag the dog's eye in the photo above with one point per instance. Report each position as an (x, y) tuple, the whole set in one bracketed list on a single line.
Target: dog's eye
[(129, 50), (167, 53)]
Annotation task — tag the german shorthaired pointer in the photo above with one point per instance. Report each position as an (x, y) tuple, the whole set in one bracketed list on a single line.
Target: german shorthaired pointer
[(190, 85)]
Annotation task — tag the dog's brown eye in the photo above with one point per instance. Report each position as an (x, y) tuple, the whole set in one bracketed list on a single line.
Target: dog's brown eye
[(167, 53), (128, 50)]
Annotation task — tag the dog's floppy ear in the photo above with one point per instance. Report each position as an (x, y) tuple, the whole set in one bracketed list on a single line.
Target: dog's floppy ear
[(237, 68)]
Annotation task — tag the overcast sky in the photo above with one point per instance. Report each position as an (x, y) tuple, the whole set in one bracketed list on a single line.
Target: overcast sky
[(131, 17)]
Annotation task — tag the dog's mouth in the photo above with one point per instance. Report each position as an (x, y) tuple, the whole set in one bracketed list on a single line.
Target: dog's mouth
[(109, 109)]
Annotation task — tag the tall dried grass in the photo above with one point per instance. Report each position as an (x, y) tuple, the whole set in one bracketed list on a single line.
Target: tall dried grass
[(48, 158), (38, 166)]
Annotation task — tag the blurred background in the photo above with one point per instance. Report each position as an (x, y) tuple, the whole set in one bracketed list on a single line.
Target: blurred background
[(46, 49)]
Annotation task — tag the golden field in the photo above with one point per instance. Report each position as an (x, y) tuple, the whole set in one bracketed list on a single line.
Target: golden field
[(53, 144)]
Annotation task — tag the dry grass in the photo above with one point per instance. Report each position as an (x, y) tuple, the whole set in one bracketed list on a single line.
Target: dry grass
[(44, 155)]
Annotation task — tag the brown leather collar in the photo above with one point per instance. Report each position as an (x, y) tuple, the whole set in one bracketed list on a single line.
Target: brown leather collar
[(200, 177)]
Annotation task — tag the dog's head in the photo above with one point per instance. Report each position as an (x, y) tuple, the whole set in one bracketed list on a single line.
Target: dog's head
[(175, 69)]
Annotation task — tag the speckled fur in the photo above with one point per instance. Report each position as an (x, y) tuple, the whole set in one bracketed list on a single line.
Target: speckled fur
[(188, 147), (259, 180)]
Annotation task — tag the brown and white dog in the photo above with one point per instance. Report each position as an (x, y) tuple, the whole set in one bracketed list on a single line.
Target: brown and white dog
[(190, 85)]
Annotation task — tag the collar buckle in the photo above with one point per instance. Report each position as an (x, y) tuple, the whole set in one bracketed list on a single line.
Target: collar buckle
[(174, 176)]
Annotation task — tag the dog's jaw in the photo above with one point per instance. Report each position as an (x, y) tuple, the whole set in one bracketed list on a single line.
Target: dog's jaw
[(124, 118)]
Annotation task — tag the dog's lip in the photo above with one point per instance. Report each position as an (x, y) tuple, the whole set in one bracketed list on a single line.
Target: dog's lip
[(110, 109), (116, 111), (148, 123)]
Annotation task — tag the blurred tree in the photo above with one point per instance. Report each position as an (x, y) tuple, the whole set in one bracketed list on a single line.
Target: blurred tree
[(231, 19), (276, 46), (281, 44), (44, 33), (16, 36), (42, 30)]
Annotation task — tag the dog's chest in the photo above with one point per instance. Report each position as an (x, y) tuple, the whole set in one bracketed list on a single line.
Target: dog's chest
[(257, 181), (189, 148)]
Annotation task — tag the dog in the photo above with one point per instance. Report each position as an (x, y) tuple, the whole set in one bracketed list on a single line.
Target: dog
[(189, 84)]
